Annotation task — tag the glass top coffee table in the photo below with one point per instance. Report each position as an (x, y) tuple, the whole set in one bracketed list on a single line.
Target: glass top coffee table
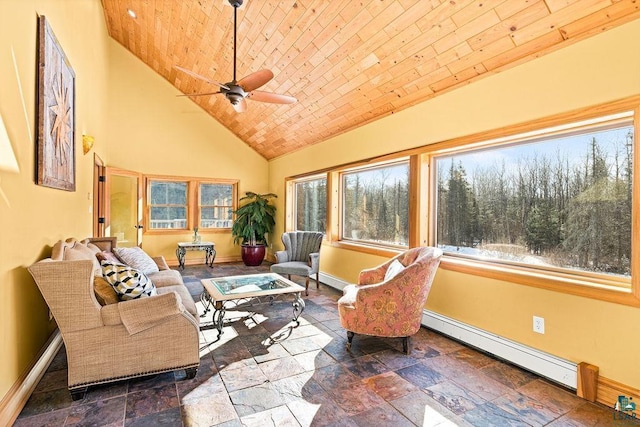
[(219, 291)]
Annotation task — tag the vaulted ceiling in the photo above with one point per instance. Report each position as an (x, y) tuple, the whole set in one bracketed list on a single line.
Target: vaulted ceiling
[(347, 62)]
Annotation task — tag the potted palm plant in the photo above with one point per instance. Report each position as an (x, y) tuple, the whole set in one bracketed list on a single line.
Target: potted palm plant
[(254, 219)]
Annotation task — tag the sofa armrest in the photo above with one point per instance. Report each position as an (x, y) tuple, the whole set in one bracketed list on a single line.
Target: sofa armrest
[(161, 262), (143, 313), (314, 257), (281, 256), (373, 292)]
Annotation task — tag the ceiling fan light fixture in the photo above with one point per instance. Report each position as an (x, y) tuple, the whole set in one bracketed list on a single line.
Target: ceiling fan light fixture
[(234, 98)]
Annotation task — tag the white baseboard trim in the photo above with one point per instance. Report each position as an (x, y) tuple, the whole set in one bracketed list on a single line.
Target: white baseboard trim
[(332, 281), (17, 396), (531, 359)]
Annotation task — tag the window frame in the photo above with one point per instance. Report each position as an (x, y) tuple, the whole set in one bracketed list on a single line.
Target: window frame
[(148, 206), (577, 128), (422, 202), (294, 199), (365, 168), (198, 214), (193, 203), (585, 284)]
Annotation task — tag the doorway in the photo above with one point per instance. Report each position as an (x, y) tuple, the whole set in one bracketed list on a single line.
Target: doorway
[(123, 210)]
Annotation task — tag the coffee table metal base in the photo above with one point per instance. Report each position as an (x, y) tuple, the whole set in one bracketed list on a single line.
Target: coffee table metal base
[(219, 308)]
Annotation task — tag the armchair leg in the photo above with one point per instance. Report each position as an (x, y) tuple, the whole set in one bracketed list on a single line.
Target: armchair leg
[(317, 280), (191, 373), (349, 339), (406, 345), (306, 292)]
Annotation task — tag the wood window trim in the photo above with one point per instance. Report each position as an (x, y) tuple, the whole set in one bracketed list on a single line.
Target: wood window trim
[(198, 213), (290, 198), (423, 230), (193, 203), (597, 288), (368, 246), (539, 279)]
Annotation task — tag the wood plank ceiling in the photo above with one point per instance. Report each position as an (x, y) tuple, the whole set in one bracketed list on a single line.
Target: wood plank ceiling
[(347, 62)]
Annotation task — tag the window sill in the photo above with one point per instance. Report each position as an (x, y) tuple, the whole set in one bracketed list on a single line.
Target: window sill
[(573, 285), (368, 249), (169, 231)]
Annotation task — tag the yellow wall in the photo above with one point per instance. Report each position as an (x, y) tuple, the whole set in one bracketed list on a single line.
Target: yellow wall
[(155, 132), (600, 69), (32, 217), (138, 124)]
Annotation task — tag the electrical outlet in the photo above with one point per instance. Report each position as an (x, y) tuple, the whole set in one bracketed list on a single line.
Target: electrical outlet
[(538, 324)]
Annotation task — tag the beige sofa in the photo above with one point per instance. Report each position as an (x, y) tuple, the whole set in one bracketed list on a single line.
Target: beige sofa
[(108, 340)]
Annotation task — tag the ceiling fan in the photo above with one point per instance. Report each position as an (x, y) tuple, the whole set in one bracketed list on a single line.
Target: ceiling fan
[(238, 91)]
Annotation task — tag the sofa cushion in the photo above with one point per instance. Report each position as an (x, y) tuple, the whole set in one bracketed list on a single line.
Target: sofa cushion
[(187, 300), (137, 258), (128, 282), (79, 252), (105, 294), (292, 267), (164, 278)]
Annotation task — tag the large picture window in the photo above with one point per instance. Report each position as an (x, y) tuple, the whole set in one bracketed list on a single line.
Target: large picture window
[(557, 200), (310, 205), (375, 204)]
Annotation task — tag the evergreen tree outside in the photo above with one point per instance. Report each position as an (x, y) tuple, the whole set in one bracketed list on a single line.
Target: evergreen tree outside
[(562, 202), (376, 204)]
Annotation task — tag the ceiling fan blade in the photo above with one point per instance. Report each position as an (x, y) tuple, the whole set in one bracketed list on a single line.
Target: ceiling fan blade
[(198, 76), (201, 94), (254, 80), (274, 98), (241, 106)]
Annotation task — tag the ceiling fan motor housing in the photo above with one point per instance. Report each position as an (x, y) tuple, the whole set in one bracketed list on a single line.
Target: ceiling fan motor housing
[(235, 93)]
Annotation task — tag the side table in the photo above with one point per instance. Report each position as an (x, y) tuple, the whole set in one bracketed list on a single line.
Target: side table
[(209, 249)]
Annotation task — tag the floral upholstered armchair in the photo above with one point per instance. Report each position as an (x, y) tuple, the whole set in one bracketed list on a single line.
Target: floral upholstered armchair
[(388, 300)]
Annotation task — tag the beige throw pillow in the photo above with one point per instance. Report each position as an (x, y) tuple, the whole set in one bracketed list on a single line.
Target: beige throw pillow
[(137, 258)]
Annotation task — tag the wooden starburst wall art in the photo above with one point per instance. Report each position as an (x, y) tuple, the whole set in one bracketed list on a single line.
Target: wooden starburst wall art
[(56, 113)]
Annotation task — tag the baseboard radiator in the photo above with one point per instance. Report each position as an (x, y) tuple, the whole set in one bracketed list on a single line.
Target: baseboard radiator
[(531, 359)]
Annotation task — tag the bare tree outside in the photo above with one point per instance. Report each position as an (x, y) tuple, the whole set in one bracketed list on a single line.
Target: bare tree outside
[(564, 201), (376, 205), (311, 205)]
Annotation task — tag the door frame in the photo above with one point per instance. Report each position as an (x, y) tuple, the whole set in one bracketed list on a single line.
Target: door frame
[(99, 197), (110, 171)]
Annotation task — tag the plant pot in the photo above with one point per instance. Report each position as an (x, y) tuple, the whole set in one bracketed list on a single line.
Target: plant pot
[(253, 255)]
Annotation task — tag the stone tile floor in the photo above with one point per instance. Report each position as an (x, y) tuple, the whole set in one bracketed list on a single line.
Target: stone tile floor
[(263, 371)]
